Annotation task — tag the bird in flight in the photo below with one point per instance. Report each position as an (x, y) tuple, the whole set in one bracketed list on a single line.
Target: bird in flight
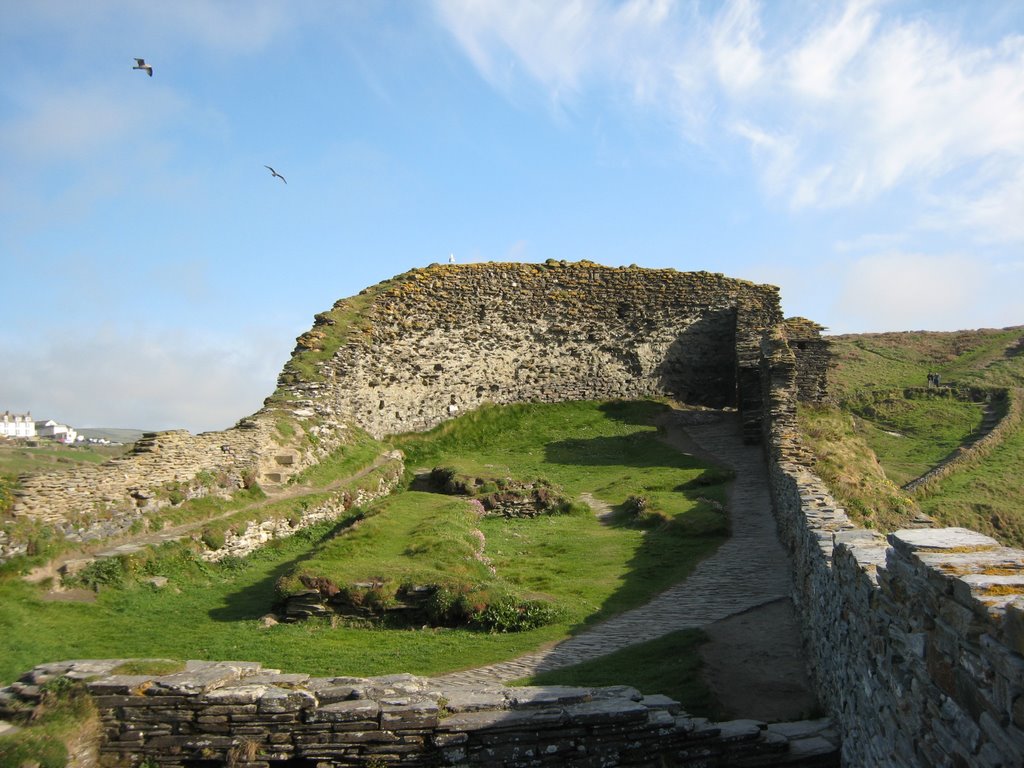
[(275, 173), (141, 64)]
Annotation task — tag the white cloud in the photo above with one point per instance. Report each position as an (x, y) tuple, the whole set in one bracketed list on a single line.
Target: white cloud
[(816, 67), (993, 206), (564, 47), (144, 380), (838, 108), (734, 46), (775, 153), (553, 43), (914, 291)]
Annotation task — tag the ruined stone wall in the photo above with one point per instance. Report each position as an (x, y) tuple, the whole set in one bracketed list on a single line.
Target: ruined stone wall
[(813, 357), (430, 344), (95, 502), (915, 640), (238, 714), (443, 340)]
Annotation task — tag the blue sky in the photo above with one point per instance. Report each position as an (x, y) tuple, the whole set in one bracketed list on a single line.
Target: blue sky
[(866, 157)]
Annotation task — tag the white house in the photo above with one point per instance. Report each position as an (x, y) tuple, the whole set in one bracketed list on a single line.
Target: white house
[(17, 425), (60, 432)]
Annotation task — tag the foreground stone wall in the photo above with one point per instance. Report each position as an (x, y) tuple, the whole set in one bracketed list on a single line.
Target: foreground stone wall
[(238, 714), (915, 640)]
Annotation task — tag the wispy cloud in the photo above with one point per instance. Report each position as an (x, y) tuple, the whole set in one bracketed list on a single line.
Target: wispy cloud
[(838, 111), (735, 46), (144, 379), (897, 290)]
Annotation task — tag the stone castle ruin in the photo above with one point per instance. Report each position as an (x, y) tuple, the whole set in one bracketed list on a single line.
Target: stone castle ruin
[(425, 346), (915, 640)]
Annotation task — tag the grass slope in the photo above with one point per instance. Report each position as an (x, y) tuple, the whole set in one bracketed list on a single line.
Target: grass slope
[(592, 570), (884, 431)]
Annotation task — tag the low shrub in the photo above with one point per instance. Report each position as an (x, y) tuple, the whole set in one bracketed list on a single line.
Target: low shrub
[(104, 572), (507, 614)]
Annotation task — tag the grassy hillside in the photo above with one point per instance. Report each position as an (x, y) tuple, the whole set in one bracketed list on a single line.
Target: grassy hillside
[(113, 434), (584, 568), (887, 428)]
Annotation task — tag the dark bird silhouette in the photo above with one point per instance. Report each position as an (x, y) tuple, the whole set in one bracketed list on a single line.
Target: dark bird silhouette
[(275, 173), (141, 64)]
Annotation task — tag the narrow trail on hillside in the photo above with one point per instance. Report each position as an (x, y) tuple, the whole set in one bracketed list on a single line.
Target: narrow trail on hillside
[(746, 581), (129, 544)]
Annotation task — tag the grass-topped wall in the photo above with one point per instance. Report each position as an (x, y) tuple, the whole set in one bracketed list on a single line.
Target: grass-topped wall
[(424, 346)]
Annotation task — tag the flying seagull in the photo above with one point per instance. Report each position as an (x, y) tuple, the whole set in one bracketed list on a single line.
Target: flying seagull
[(275, 173), (141, 64)]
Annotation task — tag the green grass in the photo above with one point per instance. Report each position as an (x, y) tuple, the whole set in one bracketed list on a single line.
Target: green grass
[(587, 570), (987, 497), (357, 453), (888, 360), (669, 665), (610, 450), (861, 460), (64, 712), (213, 611), (412, 538), (910, 435)]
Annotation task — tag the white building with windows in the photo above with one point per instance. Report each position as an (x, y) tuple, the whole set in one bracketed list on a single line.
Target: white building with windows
[(55, 431), (17, 425)]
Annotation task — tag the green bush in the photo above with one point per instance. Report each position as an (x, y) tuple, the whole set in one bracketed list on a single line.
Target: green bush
[(506, 614), (104, 572)]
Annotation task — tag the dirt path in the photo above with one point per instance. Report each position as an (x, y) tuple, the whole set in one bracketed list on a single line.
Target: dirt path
[(739, 595)]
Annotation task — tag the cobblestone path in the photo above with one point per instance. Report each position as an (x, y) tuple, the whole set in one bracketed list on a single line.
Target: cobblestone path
[(749, 569)]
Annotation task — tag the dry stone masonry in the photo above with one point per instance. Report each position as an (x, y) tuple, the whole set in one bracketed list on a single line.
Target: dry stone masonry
[(239, 714), (428, 345), (443, 340), (915, 640)]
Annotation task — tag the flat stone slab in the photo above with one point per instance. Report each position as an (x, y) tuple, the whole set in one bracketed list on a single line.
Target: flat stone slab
[(458, 701), (509, 719), (911, 540)]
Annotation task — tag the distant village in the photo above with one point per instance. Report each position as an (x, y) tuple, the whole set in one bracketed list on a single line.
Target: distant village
[(21, 426)]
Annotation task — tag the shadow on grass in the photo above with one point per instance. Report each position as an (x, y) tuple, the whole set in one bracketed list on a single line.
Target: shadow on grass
[(260, 598), (672, 545)]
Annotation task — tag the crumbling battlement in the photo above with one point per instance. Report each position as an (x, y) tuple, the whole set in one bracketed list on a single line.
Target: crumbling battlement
[(445, 339), (96, 502)]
